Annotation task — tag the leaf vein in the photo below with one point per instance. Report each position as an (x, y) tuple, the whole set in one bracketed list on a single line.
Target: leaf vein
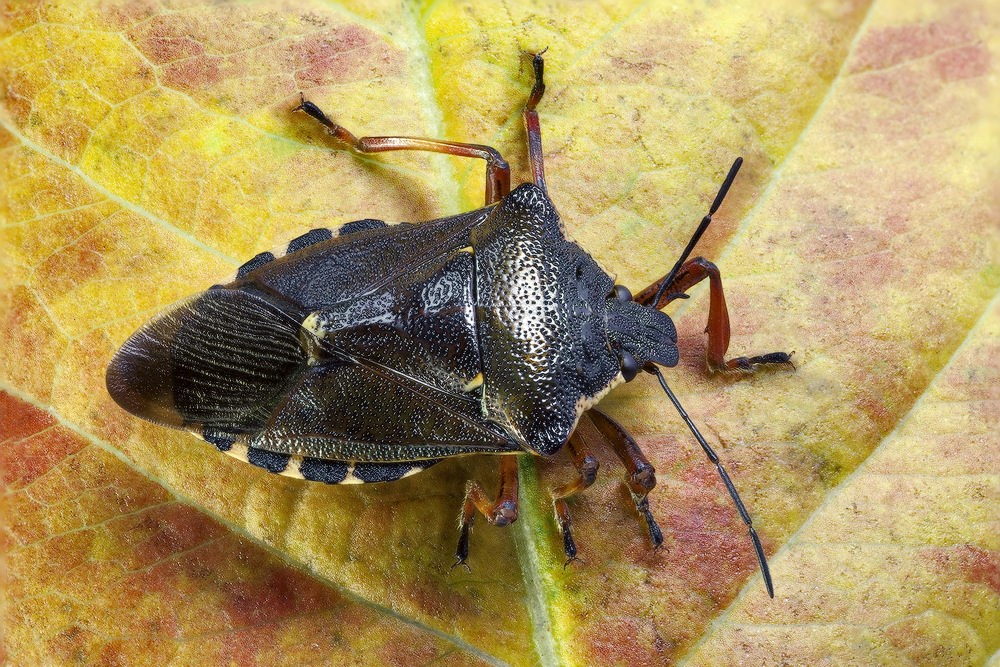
[(242, 532)]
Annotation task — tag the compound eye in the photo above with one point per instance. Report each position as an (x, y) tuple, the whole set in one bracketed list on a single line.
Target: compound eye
[(621, 293), (630, 367)]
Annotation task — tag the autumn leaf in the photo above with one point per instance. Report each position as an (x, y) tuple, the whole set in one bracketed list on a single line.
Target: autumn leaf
[(147, 149)]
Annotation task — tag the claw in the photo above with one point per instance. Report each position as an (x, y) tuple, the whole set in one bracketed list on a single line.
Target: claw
[(311, 109), (750, 365), (655, 533), (569, 546), (462, 552), (532, 54)]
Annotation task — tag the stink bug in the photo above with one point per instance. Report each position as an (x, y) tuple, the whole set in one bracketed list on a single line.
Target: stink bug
[(486, 332)]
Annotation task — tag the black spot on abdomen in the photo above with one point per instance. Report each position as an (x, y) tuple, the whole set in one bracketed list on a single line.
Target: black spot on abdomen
[(255, 263), (321, 470), (388, 472), (311, 238), (360, 226), (222, 441), (269, 461)]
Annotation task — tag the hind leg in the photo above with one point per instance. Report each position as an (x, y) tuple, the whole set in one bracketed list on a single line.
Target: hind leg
[(499, 512), (497, 169)]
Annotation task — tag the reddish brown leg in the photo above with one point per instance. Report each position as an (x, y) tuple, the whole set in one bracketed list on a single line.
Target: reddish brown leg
[(531, 124), (501, 512), (641, 475), (497, 169), (690, 274), (586, 465)]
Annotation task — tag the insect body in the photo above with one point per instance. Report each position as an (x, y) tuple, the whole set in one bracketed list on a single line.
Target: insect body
[(371, 352)]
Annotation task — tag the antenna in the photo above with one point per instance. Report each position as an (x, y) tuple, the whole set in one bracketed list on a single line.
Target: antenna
[(740, 507), (705, 222)]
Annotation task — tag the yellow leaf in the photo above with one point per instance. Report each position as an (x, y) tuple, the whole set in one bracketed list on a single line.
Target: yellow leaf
[(147, 149)]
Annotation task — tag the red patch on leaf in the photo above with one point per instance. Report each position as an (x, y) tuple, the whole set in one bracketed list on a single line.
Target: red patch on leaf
[(66, 140), (975, 564), (245, 647), (877, 407), (627, 641), (73, 266), (171, 529), (169, 37), (885, 47), (168, 49), (276, 592), (125, 14), (963, 63), (906, 86), (709, 548), (24, 462), (71, 644), (405, 653), (6, 139), (331, 57), (19, 420), (193, 73), (20, 93)]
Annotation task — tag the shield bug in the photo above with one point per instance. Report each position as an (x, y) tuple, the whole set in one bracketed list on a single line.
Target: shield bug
[(487, 332)]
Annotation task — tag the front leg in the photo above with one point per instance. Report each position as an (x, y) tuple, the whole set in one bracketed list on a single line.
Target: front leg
[(501, 512), (586, 466), (689, 275)]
